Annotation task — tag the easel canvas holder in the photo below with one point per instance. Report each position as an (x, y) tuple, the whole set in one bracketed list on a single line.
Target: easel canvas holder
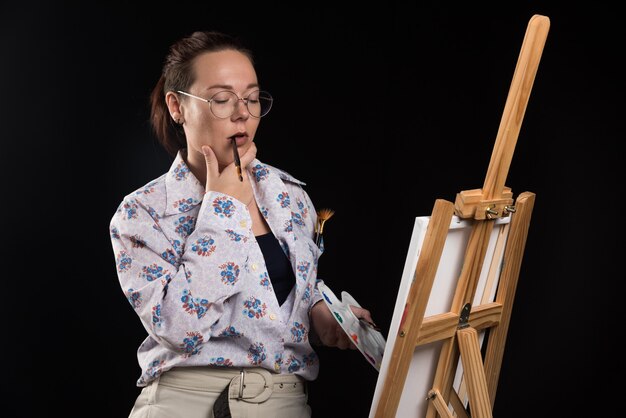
[(462, 377)]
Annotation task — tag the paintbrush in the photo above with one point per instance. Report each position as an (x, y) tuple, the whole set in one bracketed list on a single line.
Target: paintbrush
[(237, 160), (322, 216)]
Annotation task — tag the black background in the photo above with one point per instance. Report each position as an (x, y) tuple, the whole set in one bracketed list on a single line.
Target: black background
[(381, 110)]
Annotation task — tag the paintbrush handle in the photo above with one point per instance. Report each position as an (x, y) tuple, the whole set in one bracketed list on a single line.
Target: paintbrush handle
[(237, 160)]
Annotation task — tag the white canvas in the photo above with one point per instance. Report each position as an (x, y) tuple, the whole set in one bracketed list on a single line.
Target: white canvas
[(413, 403)]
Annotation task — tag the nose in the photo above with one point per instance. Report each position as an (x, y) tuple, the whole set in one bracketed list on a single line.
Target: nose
[(241, 110)]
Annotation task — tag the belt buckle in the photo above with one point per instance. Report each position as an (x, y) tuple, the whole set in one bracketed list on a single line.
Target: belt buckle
[(262, 396), (241, 384)]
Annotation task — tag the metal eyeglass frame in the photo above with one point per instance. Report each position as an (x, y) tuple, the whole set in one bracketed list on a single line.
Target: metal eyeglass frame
[(243, 99)]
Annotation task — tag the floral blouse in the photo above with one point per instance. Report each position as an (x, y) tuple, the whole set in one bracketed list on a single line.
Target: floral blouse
[(192, 270)]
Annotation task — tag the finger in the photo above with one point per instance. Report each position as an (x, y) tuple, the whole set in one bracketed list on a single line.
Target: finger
[(362, 313), (248, 156), (212, 170)]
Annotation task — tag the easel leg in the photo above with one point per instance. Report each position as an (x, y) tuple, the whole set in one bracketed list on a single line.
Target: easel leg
[(474, 373), (457, 405), (439, 403)]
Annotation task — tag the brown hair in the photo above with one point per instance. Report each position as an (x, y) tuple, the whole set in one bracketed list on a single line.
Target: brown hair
[(178, 74)]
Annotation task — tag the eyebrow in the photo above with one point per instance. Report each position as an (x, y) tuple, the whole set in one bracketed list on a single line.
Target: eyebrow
[(229, 87)]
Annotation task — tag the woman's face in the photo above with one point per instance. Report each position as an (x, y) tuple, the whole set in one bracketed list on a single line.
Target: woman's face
[(218, 71)]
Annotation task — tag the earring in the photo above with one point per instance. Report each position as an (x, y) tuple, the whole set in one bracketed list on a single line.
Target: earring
[(180, 121)]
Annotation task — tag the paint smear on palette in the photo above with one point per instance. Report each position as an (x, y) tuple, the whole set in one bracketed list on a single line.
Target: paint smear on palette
[(339, 318), (327, 298)]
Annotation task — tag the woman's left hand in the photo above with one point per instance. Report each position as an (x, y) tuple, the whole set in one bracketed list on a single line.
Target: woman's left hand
[(328, 329)]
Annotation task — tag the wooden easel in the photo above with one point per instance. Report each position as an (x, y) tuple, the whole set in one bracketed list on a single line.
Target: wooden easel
[(458, 328)]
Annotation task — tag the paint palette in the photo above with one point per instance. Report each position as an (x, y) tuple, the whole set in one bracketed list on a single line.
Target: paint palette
[(368, 340)]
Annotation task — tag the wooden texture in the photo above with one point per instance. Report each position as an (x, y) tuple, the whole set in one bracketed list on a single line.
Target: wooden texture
[(513, 255), (457, 405), (494, 194), (440, 404), (474, 372), (438, 327), (417, 299), (483, 205)]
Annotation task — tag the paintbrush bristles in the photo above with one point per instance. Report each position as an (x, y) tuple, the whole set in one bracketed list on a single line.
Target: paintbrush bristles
[(325, 213), (322, 216)]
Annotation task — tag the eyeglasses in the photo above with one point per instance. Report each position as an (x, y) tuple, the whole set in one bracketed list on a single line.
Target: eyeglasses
[(224, 103)]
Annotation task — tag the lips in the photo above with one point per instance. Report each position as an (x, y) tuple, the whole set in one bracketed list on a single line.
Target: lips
[(240, 137)]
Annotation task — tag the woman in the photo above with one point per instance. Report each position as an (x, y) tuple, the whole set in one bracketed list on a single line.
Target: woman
[(220, 265)]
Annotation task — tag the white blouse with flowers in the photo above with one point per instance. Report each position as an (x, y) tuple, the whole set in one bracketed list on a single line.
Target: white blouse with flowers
[(191, 268)]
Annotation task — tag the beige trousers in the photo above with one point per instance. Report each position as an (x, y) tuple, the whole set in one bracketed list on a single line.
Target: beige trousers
[(190, 392)]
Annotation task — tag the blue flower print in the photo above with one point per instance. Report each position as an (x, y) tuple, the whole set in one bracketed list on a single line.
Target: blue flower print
[(283, 199), (260, 172), (235, 236), (230, 332), (254, 308), (134, 298), (293, 364), (153, 272), (278, 359), (188, 274), (220, 362), (264, 211), (177, 247), (288, 226), (310, 359), (155, 368), (185, 225), (299, 332), (229, 273), (115, 234), (124, 261), (170, 256), (181, 172), (157, 319), (191, 344), (304, 210), (223, 207), (265, 281), (256, 354), (303, 269), (296, 218), (147, 189), (204, 246), (193, 305), (131, 209), (184, 205), (306, 296)]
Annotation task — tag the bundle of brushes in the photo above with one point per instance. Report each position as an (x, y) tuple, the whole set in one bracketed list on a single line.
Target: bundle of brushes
[(322, 216)]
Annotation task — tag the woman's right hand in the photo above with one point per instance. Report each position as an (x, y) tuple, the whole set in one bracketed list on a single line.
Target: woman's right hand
[(227, 182)]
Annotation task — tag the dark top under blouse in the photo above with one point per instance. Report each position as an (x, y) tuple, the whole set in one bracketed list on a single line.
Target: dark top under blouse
[(278, 266)]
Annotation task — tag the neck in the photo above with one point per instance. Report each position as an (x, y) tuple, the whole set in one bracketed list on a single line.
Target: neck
[(197, 165)]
